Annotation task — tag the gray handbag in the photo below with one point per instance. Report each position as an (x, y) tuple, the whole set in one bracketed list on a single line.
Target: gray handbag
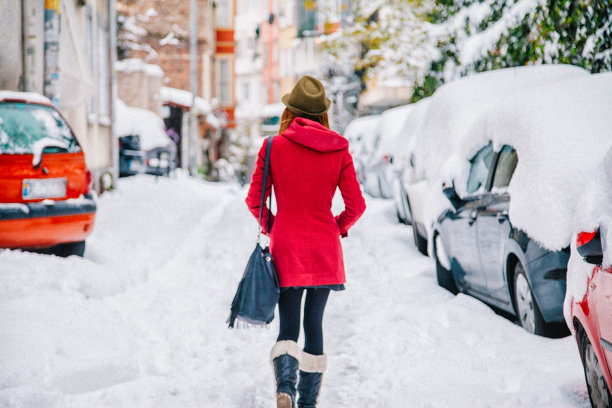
[(258, 290)]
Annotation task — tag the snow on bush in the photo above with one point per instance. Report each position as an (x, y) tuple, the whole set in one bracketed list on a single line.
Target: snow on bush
[(561, 131), (455, 107), (593, 210)]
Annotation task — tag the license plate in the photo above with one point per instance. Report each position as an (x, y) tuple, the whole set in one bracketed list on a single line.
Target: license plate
[(43, 188)]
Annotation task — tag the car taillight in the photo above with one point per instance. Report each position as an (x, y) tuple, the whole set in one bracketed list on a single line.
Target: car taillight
[(386, 159), (585, 237), (88, 181)]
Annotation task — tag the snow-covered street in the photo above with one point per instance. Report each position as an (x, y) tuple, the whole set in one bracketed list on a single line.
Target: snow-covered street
[(140, 320)]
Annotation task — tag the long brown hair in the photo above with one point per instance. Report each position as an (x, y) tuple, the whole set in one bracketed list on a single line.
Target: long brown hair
[(288, 117)]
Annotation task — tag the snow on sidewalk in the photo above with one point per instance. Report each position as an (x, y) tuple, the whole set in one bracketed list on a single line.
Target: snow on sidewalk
[(140, 321)]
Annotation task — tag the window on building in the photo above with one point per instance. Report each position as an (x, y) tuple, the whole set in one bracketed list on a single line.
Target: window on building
[(225, 84), (306, 17), (246, 91), (223, 13), (103, 74)]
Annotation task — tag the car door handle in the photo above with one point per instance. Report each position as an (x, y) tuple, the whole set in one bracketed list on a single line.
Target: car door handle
[(473, 217), (502, 217)]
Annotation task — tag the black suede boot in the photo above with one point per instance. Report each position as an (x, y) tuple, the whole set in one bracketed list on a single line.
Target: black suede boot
[(284, 357), (311, 377)]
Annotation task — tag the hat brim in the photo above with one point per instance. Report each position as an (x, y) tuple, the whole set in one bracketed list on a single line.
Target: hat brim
[(285, 100)]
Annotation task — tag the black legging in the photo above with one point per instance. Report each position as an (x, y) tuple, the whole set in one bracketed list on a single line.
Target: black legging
[(289, 308)]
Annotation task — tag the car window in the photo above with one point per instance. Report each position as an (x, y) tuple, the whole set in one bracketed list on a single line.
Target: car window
[(24, 124), (479, 170), (505, 167)]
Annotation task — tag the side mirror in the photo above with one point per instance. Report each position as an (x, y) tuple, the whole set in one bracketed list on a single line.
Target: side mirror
[(451, 194), (589, 247)]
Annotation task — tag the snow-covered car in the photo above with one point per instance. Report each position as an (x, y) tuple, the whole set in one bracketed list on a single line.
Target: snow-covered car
[(270, 119), (404, 173), (361, 134), (378, 171), (451, 114), (590, 284), (146, 131), (46, 200), (131, 156), (506, 237)]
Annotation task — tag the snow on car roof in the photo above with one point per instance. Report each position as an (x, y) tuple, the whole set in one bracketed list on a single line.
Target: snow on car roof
[(142, 122), (390, 128), (456, 105), (31, 97), (364, 125), (561, 131)]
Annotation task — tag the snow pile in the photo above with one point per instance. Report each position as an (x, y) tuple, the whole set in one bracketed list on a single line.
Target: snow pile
[(140, 321), (144, 123), (593, 210), (560, 131), (455, 107)]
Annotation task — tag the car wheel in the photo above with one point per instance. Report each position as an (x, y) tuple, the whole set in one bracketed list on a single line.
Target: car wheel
[(526, 307), (599, 394), (68, 249), (406, 208), (419, 241), (444, 276)]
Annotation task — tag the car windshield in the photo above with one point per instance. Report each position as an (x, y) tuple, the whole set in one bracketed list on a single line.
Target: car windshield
[(23, 125)]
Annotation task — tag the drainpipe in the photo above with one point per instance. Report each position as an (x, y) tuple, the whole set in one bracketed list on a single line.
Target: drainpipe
[(193, 120), (52, 31), (112, 34)]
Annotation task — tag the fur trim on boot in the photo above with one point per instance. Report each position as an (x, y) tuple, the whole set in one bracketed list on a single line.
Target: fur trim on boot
[(311, 377), (285, 357)]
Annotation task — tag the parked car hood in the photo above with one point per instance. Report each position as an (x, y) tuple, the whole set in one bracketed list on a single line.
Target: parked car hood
[(315, 136)]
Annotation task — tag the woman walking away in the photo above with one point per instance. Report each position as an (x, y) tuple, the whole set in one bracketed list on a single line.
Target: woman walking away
[(308, 162)]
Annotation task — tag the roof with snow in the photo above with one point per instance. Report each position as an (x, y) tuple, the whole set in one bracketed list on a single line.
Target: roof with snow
[(138, 65), (184, 99)]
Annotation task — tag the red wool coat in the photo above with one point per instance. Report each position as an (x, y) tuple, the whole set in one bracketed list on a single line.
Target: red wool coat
[(307, 163)]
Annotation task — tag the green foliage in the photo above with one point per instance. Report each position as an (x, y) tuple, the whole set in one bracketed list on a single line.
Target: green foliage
[(577, 32)]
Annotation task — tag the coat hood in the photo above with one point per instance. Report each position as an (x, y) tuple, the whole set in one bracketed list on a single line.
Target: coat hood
[(315, 136)]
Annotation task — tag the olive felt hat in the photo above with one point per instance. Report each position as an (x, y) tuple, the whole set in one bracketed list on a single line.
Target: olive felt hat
[(307, 97)]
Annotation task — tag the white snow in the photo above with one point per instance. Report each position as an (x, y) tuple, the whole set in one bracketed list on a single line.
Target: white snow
[(561, 131), (140, 321), (142, 122), (593, 210)]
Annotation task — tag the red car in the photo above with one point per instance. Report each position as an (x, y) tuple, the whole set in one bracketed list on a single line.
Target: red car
[(45, 196), (592, 319)]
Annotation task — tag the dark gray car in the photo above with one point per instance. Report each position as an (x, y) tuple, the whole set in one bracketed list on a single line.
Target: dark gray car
[(479, 252)]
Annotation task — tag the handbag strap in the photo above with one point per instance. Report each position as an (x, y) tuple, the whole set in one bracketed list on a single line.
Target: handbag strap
[(263, 188)]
